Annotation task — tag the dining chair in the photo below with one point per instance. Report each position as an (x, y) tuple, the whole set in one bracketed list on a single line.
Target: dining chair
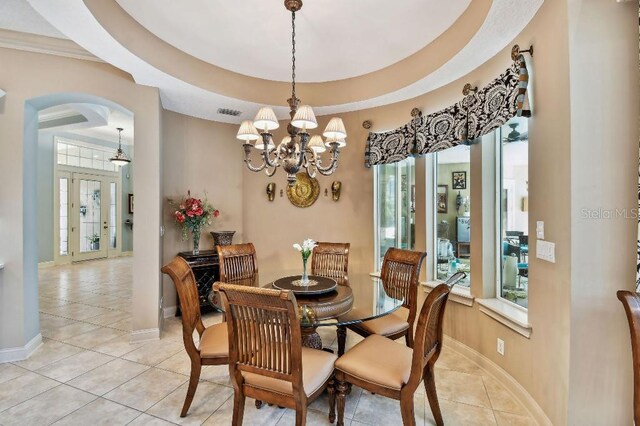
[(399, 275), (631, 302), (238, 264), (331, 260), (213, 347), (399, 372), (266, 358)]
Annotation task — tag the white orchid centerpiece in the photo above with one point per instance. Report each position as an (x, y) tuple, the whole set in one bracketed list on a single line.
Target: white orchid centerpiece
[(305, 250)]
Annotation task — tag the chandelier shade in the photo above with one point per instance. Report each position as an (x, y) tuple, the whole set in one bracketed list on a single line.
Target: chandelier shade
[(266, 119), (305, 118), (317, 144), (341, 142), (247, 131), (335, 129)]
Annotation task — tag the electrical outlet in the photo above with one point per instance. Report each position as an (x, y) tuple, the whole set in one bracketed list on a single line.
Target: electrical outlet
[(500, 346)]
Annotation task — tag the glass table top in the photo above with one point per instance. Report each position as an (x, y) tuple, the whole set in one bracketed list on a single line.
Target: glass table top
[(362, 297)]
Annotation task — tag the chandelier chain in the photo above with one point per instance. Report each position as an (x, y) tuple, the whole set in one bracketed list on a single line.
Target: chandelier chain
[(293, 55)]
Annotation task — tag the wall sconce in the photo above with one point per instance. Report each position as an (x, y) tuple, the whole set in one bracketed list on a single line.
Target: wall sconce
[(271, 190), (336, 187)]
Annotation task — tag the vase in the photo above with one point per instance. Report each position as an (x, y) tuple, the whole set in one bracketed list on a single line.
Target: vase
[(196, 241), (222, 238), (305, 277)]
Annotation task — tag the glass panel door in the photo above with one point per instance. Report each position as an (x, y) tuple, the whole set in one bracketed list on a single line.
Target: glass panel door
[(91, 226)]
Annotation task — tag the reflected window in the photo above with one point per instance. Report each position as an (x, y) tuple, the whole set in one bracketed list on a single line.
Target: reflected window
[(453, 213), (512, 213), (394, 186)]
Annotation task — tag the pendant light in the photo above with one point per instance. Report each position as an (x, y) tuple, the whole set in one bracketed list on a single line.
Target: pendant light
[(120, 159)]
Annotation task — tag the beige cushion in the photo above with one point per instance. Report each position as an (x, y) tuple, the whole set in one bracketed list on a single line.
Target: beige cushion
[(215, 341), (378, 360), (317, 367), (387, 324)]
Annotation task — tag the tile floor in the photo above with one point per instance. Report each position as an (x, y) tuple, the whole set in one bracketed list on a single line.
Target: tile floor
[(88, 373)]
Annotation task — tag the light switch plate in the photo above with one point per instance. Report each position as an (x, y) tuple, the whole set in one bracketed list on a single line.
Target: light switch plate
[(540, 230), (546, 250)]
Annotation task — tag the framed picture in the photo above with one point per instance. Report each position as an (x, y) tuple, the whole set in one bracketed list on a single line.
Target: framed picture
[(459, 180), (130, 203), (442, 198)]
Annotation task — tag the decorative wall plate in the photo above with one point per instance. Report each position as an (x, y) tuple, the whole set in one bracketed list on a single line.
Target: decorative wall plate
[(304, 192)]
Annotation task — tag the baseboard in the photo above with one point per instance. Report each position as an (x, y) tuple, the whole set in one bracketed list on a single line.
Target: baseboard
[(145, 335), (48, 264), (21, 352), (169, 311), (501, 376), (126, 253)]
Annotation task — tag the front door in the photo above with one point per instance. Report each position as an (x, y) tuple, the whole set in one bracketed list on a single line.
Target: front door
[(93, 216)]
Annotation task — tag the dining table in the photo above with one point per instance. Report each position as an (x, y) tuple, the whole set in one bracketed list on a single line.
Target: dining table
[(354, 299)]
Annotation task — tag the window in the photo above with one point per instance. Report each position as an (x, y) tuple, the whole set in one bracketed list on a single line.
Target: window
[(113, 215), (452, 209), (64, 216), (512, 218), (77, 155), (394, 204)]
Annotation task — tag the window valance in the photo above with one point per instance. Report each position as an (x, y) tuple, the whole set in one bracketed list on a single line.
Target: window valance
[(477, 114)]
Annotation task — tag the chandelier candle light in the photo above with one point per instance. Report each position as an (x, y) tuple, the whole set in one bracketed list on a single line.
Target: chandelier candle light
[(299, 149), (305, 250)]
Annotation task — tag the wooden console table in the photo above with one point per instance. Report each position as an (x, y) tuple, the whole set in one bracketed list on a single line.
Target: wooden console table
[(206, 269)]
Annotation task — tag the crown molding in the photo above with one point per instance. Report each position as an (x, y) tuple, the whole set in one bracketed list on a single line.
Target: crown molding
[(42, 44)]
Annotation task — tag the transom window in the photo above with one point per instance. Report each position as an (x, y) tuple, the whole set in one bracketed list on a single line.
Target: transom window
[(70, 154)]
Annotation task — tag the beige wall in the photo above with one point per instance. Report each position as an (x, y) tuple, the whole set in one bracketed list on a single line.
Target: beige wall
[(605, 105), (27, 76), (202, 156)]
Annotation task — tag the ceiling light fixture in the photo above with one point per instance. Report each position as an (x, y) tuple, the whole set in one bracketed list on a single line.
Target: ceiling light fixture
[(120, 159), (298, 150)]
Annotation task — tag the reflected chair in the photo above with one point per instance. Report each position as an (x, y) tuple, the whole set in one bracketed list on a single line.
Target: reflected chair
[(399, 275), (238, 264), (631, 302), (266, 358), (331, 260), (213, 348), (398, 372)]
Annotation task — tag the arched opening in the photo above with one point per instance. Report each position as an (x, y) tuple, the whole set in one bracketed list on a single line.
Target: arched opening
[(76, 211)]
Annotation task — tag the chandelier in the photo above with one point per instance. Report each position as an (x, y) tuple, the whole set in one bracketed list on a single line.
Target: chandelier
[(120, 158), (298, 150)]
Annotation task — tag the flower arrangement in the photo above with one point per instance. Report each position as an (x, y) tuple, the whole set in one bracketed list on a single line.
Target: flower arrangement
[(305, 250), (191, 215)]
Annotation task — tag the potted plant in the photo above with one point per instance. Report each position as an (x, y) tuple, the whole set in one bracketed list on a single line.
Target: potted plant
[(94, 242)]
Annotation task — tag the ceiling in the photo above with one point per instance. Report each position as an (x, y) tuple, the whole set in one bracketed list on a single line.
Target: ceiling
[(351, 55), (335, 39), (97, 121)]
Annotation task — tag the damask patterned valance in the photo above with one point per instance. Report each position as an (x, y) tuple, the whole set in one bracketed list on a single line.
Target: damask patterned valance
[(477, 114)]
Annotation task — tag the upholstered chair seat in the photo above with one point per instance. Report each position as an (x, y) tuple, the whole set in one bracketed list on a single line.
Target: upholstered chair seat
[(214, 342), (317, 368), (395, 322), (365, 362)]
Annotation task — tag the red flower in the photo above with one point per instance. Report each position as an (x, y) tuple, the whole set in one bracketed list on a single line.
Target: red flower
[(216, 213), (179, 217)]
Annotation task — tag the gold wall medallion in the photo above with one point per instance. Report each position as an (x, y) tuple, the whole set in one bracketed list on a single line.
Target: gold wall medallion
[(304, 192)]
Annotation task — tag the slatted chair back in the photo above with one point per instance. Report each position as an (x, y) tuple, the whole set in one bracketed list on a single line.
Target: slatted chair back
[(331, 260), (264, 333), (631, 302), (428, 337), (238, 263), (182, 276), (400, 274)]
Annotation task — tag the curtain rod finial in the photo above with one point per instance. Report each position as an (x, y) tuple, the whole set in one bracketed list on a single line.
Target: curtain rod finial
[(515, 51), (367, 124), (416, 112)]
